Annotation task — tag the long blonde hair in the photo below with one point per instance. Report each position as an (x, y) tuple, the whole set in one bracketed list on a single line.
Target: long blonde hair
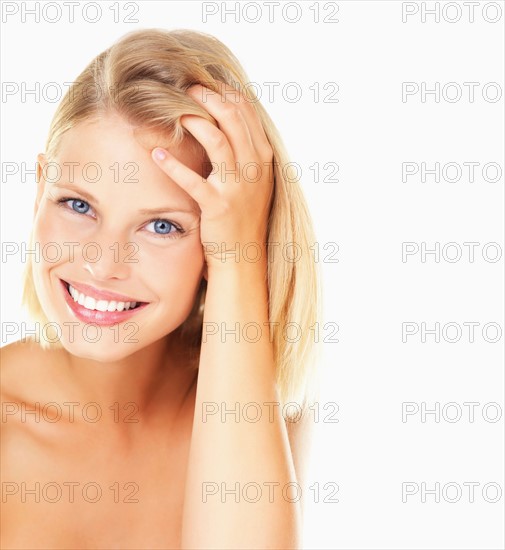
[(143, 77)]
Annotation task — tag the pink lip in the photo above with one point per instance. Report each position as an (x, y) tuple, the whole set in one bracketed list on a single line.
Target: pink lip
[(101, 294), (102, 318)]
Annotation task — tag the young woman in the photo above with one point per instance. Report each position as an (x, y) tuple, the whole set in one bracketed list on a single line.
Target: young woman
[(164, 401)]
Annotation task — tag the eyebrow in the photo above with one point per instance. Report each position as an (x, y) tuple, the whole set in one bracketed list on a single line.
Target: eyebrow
[(144, 211)]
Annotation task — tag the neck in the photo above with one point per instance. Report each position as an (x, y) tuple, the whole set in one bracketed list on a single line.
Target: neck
[(153, 377)]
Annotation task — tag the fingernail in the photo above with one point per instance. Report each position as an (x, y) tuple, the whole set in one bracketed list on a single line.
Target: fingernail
[(159, 154)]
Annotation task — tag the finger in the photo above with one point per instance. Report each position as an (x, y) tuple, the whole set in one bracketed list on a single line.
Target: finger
[(187, 179), (213, 140), (250, 114), (230, 118), (253, 121)]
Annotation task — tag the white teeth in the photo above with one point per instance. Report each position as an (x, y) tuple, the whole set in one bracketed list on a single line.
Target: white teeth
[(100, 305), (89, 302)]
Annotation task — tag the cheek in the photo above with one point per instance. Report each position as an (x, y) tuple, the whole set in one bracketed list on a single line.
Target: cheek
[(52, 230), (178, 266), (175, 273), (49, 236)]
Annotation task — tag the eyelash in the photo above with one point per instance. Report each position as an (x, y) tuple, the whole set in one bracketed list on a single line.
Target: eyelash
[(177, 233)]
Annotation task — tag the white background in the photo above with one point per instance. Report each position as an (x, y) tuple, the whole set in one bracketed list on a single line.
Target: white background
[(369, 213)]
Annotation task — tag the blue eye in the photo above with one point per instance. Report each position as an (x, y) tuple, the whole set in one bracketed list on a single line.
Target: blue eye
[(80, 206), (163, 228)]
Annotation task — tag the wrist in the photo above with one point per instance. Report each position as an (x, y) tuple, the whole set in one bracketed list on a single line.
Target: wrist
[(248, 257), (245, 269)]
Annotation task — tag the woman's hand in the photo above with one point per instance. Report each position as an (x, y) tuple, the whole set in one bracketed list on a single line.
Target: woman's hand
[(232, 370), (235, 198)]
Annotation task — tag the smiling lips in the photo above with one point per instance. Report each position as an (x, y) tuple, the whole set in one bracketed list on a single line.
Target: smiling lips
[(100, 294), (101, 307)]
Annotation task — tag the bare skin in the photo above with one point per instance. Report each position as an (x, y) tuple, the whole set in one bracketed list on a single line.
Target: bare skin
[(139, 467), (163, 460)]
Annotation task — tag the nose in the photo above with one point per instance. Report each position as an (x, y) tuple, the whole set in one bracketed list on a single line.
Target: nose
[(106, 258)]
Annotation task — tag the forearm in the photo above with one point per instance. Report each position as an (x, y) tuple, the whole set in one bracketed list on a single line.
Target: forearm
[(229, 454)]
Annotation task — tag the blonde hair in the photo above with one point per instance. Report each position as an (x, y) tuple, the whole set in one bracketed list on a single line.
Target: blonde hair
[(143, 77)]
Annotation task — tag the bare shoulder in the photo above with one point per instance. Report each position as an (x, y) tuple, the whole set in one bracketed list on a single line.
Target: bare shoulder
[(28, 378), (19, 349), (13, 357), (16, 386), (22, 381), (21, 367)]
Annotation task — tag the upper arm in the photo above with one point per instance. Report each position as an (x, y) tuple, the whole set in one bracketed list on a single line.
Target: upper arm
[(300, 435)]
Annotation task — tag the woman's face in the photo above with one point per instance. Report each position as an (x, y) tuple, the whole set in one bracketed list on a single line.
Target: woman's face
[(103, 239)]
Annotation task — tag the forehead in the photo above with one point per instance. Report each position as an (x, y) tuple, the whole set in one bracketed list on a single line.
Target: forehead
[(110, 135), (109, 154)]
